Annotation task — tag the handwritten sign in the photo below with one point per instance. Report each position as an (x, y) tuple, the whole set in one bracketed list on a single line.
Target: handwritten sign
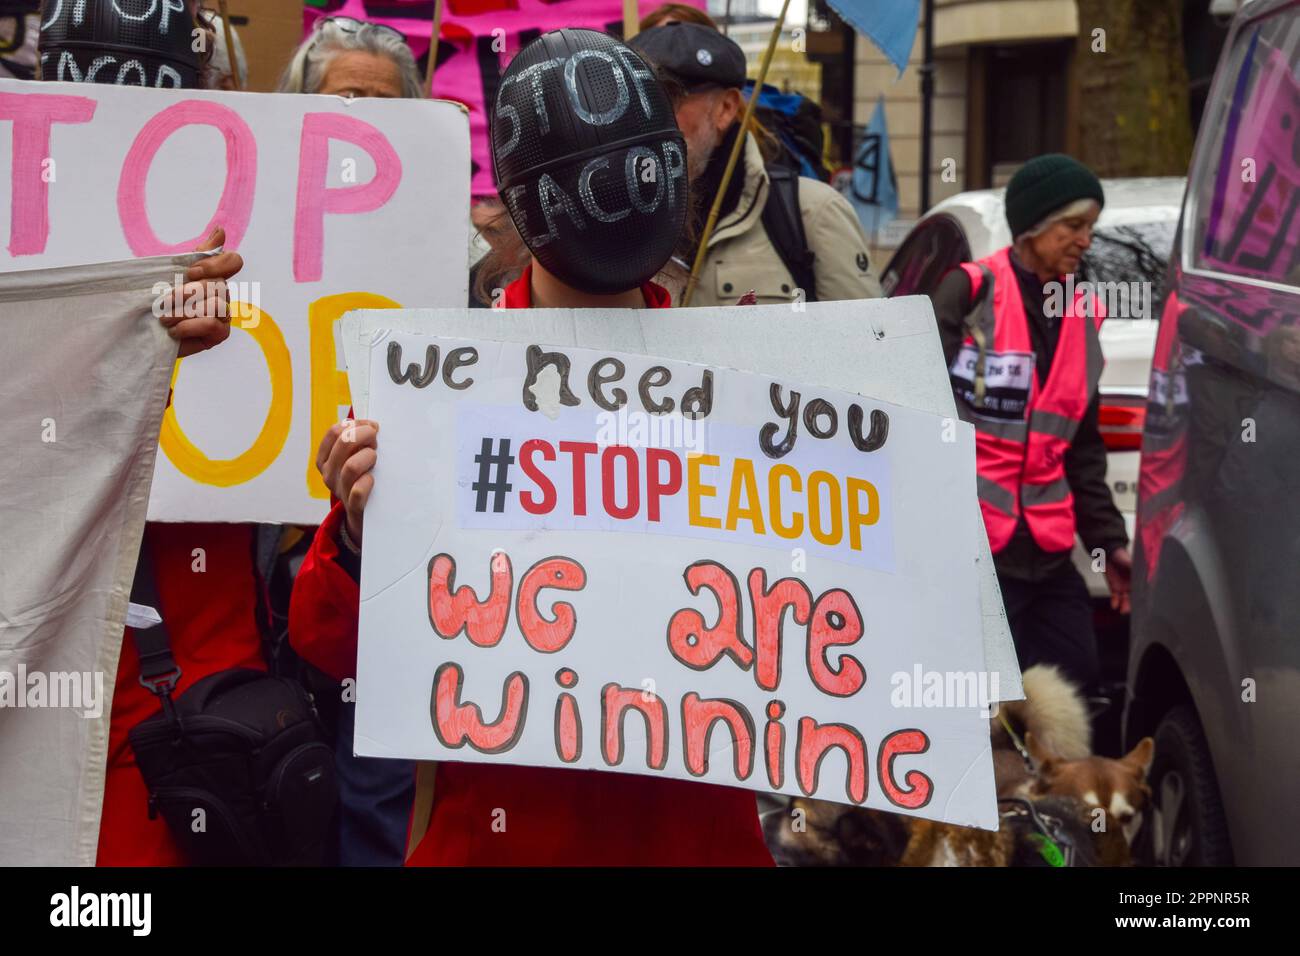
[(617, 561), (334, 205)]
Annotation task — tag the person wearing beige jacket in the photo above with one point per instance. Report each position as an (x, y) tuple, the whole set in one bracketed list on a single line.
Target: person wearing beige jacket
[(703, 71)]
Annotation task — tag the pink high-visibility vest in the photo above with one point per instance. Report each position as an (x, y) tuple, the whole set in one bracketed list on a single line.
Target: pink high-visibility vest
[(1024, 427)]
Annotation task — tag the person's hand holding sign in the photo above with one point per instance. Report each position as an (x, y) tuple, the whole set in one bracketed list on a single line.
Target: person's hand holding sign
[(201, 319), (345, 458)]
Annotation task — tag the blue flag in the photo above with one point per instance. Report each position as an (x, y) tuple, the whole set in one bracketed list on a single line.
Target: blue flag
[(872, 189), (889, 24)]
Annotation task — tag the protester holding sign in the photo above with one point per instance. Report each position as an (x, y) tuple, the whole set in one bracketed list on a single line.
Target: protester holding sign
[(349, 57), (599, 195), (211, 620)]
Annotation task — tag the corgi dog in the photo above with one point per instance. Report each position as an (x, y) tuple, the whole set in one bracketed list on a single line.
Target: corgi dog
[(1042, 758), (1049, 785), (1113, 792)]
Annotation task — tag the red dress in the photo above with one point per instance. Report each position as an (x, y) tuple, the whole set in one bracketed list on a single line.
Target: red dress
[(502, 815), (211, 614)]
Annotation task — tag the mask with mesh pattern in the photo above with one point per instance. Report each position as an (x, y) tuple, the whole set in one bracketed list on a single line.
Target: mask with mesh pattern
[(122, 42), (589, 160)]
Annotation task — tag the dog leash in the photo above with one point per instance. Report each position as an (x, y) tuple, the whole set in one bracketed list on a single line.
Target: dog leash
[(1017, 743), (1052, 845)]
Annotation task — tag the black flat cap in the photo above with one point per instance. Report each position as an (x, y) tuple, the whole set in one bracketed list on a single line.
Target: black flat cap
[(694, 54)]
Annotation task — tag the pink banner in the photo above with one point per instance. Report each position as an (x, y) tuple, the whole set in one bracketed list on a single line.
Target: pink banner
[(482, 36)]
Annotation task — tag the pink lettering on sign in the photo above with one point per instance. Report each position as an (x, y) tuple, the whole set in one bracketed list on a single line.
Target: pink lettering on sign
[(33, 116), (236, 205), (315, 198)]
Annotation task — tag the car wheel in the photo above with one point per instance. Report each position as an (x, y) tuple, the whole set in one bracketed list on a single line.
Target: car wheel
[(1186, 824)]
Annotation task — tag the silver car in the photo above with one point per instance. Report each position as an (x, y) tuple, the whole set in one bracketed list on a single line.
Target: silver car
[(1214, 658)]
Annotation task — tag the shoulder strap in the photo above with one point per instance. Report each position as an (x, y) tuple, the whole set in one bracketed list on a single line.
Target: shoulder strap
[(783, 223), (158, 670), (265, 546), (978, 326)]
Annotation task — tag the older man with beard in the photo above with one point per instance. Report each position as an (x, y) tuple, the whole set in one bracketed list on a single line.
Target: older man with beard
[(784, 237)]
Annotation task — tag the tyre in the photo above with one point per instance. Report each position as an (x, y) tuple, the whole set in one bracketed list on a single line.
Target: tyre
[(1185, 825)]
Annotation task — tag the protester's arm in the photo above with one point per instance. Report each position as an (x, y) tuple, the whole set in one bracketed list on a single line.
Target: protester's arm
[(1099, 522), (326, 594), (838, 245), (952, 302), (324, 606), (204, 292)]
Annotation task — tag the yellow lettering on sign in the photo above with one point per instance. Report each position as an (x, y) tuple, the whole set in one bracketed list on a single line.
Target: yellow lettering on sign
[(858, 518), (774, 476), (225, 472), (696, 489), (329, 384), (742, 483), (817, 510)]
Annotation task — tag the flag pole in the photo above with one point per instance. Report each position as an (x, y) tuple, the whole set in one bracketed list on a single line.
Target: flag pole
[(631, 20), (434, 34), (736, 147), (230, 44)]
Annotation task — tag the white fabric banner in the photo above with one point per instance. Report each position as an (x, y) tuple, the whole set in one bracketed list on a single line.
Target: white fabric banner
[(85, 366)]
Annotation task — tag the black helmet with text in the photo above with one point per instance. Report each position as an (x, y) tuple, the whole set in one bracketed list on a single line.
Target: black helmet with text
[(103, 41), (589, 160)]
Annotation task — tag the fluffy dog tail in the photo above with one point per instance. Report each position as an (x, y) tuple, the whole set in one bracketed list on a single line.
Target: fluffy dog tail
[(1053, 711)]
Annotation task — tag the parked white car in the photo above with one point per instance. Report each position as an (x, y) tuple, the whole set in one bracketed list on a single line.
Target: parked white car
[(1130, 247)]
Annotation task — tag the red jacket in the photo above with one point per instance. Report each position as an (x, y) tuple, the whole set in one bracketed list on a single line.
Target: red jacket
[(553, 817), (211, 615)]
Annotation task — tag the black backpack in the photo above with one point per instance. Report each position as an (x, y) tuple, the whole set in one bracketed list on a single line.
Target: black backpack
[(796, 121), (238, 765), (783, 223)]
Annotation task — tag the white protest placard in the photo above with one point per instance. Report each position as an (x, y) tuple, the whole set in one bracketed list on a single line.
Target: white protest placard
[(334, 204), (888, 348), (615, 561)]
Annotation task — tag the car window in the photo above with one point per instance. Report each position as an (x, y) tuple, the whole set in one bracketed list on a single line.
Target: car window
[(1246, 188), (930, 252), (1135, 252)]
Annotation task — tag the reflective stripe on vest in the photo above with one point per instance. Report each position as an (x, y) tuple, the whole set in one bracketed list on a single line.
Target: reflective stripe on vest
[(1023, 427)]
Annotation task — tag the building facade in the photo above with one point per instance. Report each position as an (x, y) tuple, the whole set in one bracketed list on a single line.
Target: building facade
[(1005, 88)]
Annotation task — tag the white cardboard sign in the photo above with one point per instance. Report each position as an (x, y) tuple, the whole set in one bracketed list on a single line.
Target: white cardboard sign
[(562, 570), (334, 205), (888, 348)]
